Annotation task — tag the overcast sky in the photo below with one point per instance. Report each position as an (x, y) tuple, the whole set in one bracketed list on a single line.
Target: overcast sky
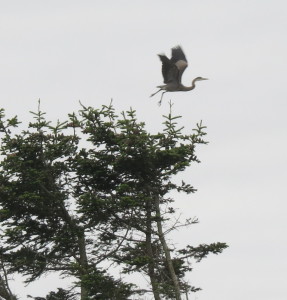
[(64, 51)]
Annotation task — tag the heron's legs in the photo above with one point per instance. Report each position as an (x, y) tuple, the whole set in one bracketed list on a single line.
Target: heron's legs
[(159, 103), (155, 93)]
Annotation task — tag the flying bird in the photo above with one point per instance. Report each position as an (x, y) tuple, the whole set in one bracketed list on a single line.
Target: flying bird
[(172, 70)]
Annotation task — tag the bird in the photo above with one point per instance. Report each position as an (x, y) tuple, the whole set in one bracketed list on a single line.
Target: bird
[(172, 70)]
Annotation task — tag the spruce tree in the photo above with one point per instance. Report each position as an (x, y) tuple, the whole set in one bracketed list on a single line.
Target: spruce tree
[(93, 190)]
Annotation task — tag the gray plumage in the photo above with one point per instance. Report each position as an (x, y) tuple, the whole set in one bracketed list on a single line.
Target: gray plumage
[(172, 70)]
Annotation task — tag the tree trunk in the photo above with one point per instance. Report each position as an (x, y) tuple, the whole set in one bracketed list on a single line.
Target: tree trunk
[(83, 263), (5, 292), (80, 235), (149, 251), (166, 250)]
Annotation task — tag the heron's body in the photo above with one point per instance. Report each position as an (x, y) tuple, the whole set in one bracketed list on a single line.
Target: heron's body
[(172, 70)]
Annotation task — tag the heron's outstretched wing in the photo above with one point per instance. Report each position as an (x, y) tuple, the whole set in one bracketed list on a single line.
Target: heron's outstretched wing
[(179, 60), (170, 71)]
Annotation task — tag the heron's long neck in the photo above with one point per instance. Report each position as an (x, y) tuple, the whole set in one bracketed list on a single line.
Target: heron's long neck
[(189, 88)]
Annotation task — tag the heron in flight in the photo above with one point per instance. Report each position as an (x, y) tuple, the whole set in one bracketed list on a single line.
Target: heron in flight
[(172, 70)]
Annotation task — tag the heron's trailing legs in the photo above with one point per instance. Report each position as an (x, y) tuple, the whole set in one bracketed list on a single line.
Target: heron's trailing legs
[(155, 93), (159, 102)]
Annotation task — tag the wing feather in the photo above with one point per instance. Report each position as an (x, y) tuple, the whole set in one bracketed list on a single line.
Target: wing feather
[(170, 71), (179, 60)]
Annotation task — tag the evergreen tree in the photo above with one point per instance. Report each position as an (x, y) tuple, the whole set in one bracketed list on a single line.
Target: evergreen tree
[(96, 189)]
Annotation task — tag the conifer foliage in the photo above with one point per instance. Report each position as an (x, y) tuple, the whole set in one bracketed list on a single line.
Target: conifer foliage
[(95, 191)]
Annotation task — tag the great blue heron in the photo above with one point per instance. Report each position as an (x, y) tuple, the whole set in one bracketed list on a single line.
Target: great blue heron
[(172, 70)]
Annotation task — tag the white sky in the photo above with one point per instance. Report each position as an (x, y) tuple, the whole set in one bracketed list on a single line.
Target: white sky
[(66, 51)]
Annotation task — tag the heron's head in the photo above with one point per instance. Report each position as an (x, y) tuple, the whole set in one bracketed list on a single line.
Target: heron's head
[(200, 79)]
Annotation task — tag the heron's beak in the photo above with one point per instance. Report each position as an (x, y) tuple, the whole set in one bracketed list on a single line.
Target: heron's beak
[(204, 78)]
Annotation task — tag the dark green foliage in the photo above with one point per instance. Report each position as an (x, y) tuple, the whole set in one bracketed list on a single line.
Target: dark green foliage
[(61, 294), (83, 192), (201, 251), (101, 286)]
